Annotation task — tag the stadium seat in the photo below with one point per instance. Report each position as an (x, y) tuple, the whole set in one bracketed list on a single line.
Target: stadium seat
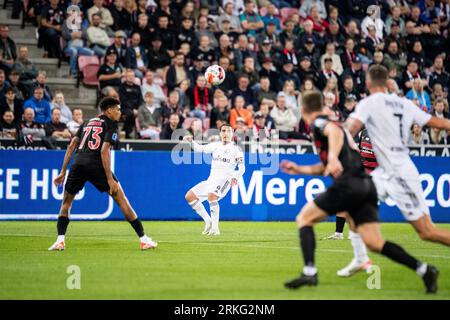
[(88, 67)]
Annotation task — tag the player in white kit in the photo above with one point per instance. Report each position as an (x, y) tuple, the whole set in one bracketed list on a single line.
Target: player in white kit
[(226, 155), (388, 119)]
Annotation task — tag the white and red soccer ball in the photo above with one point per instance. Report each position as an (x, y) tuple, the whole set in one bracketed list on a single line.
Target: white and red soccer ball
[(215, 75)]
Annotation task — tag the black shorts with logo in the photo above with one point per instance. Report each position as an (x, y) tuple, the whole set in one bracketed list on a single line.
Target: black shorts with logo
[(355, 194), (81, 173)]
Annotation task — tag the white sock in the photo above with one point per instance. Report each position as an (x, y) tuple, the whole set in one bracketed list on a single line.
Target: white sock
[(60, 238), (422, 269), (359, 248), (144, 238), (309, 271), (198, 207), (215, 209)]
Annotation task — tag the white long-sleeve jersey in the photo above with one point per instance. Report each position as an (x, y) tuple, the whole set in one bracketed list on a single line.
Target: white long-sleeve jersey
[(225, 158)]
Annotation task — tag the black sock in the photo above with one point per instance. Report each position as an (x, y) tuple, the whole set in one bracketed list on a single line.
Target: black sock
[(340, 223), (398, 254), (308, 245), (137, 226), (62, 224)]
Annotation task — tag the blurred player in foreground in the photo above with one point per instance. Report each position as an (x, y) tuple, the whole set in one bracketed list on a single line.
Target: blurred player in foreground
[(352, 191), (226, 155), (92, 162), (388, 119)]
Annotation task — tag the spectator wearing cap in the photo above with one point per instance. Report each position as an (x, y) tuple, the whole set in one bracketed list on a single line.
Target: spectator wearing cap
[(228, 15), (272, 16), (251, 22), (239, 111), (439, 74), (264, 94), (249, 70), (357, 73), (331, 53), (306, 6), (75, 39), (393, 58), (308, 35), (219, 112), (311, 50), (243, 89), (306, 70), (158, 57), (395, 19), (130, 99), (121, 17), (373, 19), (418, 92), (40, 105), (8, 51), (268, 70), (55, 128), (51, 19), (232, 35), (110, 72), (288, 73), (21, 91), (285, 119), (269, 34), (106, 20), (119, 45), (9, 102), (136, 58), (97, 36), (411, 73), (143, 28), (266, 50), (326, 73)]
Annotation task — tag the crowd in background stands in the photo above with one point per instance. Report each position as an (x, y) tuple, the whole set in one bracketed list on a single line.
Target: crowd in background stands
[(154, 54)]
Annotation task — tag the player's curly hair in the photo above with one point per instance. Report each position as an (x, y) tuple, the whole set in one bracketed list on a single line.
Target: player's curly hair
[(108, 102)]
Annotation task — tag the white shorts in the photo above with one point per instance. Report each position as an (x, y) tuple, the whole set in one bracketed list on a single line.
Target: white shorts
[(217, 186), (405, 190)]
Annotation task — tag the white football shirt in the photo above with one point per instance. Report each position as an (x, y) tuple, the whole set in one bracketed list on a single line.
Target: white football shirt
[(388, 119)]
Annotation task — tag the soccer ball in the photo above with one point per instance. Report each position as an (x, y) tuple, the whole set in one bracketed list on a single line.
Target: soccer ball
[(215, 75)]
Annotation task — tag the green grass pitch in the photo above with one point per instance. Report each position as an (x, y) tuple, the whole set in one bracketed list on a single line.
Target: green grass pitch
[(250, 260)]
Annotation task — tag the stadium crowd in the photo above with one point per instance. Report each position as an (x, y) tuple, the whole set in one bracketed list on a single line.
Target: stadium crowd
[(154, 53)]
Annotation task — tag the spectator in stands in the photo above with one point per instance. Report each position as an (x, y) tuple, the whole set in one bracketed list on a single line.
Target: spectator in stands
[(136, 58), (25, 68), (158, 57), (232, 18), (201, 98), (8, 52), (268, 70), (58, 102), (205, 52), (226, 50), (186, 33), (75, 39), (40, 105), (251, 22), (167, 34), (309, 49), (320, 24), (183, 90), (373, 19), (120, 46), (439, 109), (348, 88), (55, 128), (177, 72), (438, 136), (439, 74), (326, 73), (238, 111), (372, 42), (51, 19), (336, 60), (9, 128), (130, 99), (349, 53), (196, 129), (149, 84), (243, 90), (249, 70), (10, 103), (285, 119), (260, 131), (291, 97), (264, 110), (357, 73), (97, 36), (4, 84), (105, 21), (332, 86), (77, 120), (264, 94), (418, 136), (242, 51), (169, 128), (272, 16), (335, 36), (393, 58), (40, 81), (289, 33), (30, 128), (288, 73), (120, 16), (173, 106), (308, 4), (203, 30), (348, 106), (417, 92), (395, 17), (110, 73), (144, 29), (219, 112), (150, 118)]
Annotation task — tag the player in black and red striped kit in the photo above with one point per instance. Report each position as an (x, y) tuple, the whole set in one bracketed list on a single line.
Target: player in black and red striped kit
[(92, 162), (352, 191)]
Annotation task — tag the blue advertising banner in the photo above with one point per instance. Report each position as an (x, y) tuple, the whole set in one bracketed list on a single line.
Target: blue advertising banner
[(156, 182)]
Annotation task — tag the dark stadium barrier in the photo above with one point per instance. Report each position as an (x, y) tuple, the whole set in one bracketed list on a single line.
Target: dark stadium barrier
[(156, 182)]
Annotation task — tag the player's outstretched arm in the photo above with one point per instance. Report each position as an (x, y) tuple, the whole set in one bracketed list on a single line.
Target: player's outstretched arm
[(290, 167), (336, 138), (206, 148), (439, 123), (106, 161), (59, 180)]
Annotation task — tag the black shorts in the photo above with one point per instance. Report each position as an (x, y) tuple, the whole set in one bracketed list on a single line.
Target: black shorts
[(80, 173), (355, 194)]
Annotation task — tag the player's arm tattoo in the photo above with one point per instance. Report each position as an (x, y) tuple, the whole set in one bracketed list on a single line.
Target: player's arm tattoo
[(70, 149), (106, 160)]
